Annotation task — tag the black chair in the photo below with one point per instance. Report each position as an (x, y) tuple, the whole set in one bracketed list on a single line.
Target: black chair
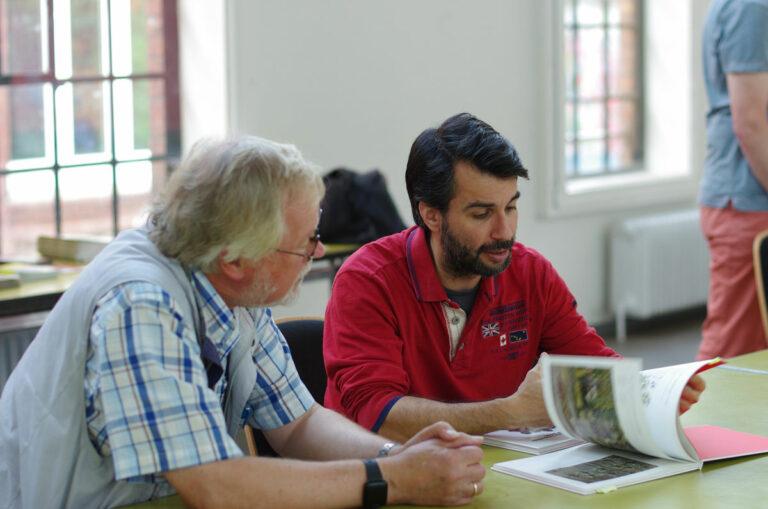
[(760, 251), (305, 339)]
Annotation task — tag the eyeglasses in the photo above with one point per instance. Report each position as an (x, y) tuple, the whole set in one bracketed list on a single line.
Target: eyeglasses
[(314, 240)]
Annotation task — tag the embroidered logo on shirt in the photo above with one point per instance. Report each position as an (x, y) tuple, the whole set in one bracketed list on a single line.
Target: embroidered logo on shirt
[(518, 335), (490, 329)]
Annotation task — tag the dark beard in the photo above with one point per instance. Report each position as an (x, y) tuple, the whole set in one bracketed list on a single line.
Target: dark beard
[(460, 261)]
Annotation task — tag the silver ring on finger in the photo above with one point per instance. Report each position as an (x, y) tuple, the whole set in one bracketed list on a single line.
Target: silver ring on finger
[(474, 487)]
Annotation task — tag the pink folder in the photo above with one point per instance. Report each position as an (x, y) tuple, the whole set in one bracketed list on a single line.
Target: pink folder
[(716, 443)]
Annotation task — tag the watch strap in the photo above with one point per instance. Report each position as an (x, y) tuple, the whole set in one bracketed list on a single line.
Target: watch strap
[(375, 487)]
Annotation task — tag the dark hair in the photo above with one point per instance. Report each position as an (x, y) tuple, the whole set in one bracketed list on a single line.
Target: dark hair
[(462, 137)]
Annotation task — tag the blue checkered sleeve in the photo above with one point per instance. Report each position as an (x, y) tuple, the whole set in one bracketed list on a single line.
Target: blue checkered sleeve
[(279, 396), (147, 398)]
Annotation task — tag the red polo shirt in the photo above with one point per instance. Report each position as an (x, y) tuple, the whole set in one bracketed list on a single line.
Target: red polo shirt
[(387, 330)]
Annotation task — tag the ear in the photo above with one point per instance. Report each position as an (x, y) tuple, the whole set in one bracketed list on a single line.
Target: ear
[(432, 217), (236, 270)]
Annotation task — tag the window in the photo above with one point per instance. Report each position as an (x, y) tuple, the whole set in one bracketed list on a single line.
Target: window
[(89, 115), (603, 122)]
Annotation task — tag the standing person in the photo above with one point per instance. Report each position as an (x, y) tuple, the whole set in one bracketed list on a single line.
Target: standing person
[(733, 195), (150, 364)]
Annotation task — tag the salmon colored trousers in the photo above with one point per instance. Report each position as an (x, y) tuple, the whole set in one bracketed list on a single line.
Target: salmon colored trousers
[(733, 325)]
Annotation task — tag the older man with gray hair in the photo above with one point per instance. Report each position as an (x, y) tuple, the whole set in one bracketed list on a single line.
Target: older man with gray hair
[(142, 376)]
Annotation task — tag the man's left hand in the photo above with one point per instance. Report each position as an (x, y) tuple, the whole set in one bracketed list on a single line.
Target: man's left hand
[(691, 393)]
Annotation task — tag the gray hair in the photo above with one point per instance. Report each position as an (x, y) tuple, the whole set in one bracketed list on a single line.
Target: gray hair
[(229, 195)]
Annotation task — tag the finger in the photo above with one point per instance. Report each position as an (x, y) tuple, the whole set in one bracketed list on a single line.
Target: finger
[(470, 454), (475, 472), (463, 440), (684, 406), (697, 383), (440, 429), (468, 490), (689, 395)]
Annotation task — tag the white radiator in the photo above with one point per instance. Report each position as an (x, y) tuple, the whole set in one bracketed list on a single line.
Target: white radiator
[(659, 264)]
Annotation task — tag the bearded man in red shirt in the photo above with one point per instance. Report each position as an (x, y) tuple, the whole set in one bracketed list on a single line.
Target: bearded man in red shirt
[(445, 320)]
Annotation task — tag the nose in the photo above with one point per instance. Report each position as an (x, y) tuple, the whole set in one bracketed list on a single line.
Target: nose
[(319, 250), (504, 226)]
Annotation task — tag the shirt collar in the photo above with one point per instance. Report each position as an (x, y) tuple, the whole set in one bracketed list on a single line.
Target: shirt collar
[(424, 278), (219, 321)]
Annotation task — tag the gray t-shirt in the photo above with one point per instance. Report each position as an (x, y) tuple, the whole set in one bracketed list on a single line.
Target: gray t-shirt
[(735, 41)]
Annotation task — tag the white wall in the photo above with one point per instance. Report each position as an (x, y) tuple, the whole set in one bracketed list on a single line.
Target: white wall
[(352, 83)]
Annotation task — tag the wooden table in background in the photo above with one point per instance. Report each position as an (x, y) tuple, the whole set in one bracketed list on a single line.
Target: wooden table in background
[(36, 296)]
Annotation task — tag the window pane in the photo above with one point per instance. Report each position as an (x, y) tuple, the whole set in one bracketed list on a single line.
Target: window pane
[(590, 51), (147, 36), (138, 183), (87, 38), (570, 132), (623, 11), (26, 211), (89, 109), (620, 153), (83, 122), (138, 39), (591, 117), (622, 118), (570, 162), (23, 37), (590, 11), (591, 156), (570, 62), (86, 200), (622, 58), (140, 118), (25, 137)]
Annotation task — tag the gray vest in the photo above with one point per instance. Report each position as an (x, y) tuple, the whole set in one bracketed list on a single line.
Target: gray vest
[(46, 456)]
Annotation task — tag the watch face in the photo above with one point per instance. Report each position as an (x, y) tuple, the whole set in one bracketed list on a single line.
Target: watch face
[(377, 485), (375, 494)]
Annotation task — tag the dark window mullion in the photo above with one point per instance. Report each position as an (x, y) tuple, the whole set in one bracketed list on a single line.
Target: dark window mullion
[(161, 157), (171, 68), (29, 79), (638, 149), (574, 77), (113, 161), (54, 87), (606, 84)]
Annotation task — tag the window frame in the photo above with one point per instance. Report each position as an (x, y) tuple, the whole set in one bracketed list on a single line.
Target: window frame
[(575, 27), (657, 183), (172, 114)]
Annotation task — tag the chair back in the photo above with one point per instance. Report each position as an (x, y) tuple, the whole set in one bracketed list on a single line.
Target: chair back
[(760, 254), (305, 339)]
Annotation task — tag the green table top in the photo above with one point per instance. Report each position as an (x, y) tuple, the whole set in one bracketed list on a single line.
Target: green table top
[(733, 399)]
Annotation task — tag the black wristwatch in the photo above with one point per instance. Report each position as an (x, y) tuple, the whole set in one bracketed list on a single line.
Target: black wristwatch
[(375, 487)]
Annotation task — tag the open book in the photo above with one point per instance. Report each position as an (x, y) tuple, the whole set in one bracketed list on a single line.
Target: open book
[(630, 420)]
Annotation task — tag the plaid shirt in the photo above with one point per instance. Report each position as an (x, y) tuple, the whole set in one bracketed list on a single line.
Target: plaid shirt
[(148, 404)]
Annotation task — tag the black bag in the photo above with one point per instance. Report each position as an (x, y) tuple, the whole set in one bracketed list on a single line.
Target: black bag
[(357, 208)]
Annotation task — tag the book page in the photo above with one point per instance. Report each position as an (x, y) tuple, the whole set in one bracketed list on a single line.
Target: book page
[(598, 400), (661, 391), (590, 468)]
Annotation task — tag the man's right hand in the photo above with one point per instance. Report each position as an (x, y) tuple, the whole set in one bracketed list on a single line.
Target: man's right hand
[(438, 466), (525, 408)]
